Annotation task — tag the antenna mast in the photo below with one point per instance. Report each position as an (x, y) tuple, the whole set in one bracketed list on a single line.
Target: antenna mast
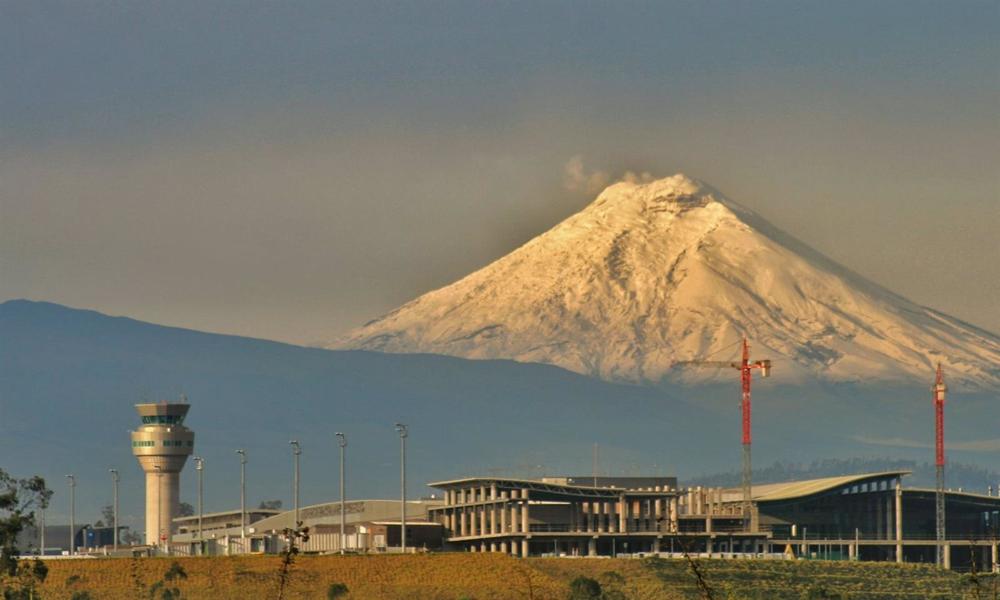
[(939, 516)]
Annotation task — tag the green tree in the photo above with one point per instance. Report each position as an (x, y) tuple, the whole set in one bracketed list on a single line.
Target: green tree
[(584, 588), (336, 590), (18, 498)]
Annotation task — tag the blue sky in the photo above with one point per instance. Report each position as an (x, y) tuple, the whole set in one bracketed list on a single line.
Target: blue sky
[(290, 170)]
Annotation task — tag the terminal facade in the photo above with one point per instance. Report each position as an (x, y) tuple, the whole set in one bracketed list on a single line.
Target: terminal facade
[(868, 516)]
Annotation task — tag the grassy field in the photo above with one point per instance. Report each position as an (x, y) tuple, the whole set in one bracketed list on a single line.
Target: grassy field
[(498, 577)]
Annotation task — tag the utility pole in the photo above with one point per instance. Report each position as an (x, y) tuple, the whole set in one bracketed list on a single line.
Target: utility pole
[(296, 452), (746, 377), (199, 466), (72, 514), (939, 390), (595, 464), (41, 551), (114, 507), (243, 493), (342, 442), (403, 433)]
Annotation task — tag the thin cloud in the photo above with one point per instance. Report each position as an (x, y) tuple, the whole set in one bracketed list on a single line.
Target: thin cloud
[(990, 445)]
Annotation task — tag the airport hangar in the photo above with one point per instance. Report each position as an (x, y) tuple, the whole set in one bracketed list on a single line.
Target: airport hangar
[(867, 516)]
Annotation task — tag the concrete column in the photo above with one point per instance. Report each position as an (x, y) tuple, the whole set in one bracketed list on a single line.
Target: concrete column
[(993, 555), (503, 547), (611, 508), (588, 509), (493, 491), (852, 551), (524, 548), (947, 555), (623, 515), (482, 546), (503, 517), (463, 522), (524, 514), (493, 546), (494, 521), (656, 544), (592, 547), (899, 521), (473, 524), (674, 514)]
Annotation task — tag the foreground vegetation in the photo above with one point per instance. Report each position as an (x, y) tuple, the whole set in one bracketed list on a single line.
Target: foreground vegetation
[(497, 577)]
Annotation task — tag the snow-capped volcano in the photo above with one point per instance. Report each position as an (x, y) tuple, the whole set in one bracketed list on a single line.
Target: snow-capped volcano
[(652, 273)]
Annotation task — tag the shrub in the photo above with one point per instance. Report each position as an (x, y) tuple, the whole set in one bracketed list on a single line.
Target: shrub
[(584, 588), (336, 590)]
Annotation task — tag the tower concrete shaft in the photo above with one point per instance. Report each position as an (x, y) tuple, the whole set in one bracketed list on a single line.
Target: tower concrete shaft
[(162, 445)]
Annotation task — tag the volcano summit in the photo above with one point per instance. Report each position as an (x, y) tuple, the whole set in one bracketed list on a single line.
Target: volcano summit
[(652, 273)]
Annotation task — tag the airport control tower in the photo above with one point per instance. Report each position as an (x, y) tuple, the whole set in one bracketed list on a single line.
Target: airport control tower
[(162, 445)]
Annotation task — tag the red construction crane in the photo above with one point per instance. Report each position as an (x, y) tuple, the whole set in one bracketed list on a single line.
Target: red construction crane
[(939, 390), (746, 369)]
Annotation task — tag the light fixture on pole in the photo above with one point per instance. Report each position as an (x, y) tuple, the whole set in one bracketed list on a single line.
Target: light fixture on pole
[(199, 465), (243, 492), (403, 433), (114, 507), (72, 514), (342, 442), (296, 452)]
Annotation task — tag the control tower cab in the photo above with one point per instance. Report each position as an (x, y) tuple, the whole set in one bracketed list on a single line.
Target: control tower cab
[(162, 445)]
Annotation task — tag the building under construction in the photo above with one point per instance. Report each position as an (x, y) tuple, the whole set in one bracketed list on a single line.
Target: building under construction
[(868, 516)]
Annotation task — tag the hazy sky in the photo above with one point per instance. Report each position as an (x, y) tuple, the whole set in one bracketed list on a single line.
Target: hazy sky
[(292, 169)]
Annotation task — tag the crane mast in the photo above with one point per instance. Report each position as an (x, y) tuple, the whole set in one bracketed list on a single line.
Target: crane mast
[(746, 379)]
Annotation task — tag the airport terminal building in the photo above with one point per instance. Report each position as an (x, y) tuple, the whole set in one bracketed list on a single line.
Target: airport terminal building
[(867, 516)]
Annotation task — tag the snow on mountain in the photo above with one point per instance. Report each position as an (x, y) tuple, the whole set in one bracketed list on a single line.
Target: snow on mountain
[(656, 272)]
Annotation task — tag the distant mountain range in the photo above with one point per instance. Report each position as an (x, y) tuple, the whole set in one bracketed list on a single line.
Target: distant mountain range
[(656, 272), (69, 378), (969, 478)]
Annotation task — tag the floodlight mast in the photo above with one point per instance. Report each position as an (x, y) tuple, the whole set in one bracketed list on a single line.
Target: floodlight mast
[(342, 443), (403, 433)]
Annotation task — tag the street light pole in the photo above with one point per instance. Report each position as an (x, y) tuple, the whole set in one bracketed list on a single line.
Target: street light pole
[(243, 492), (342, 442), (114, 507), (403, 433), (41, 551), (72, 514), (296, 452), (199, 465)]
